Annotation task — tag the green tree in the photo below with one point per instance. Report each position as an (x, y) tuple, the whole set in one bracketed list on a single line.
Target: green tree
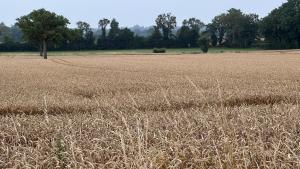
[(87, 35), (113, 33), (188, 34), (114, 29), (218, 27), (166, 23), (281, 28), (204, 42), (184, 36), (16, 33), (4, 31), (235, 28), (212, 31), (102, 25), (156, 38), (102, 41), (194, 24), (73, 40), (125, 39), (41, 26)]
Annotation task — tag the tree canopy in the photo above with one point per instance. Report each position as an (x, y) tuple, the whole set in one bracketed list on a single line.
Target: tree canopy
[(46, 30), (42, 26), (234, 28), (189, 33), (281, 28), (166, 23)]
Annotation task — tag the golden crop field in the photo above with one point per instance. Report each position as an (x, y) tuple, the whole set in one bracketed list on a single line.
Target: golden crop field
[(227, 110)]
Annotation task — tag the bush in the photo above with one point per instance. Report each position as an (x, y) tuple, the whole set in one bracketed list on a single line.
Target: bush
[(204, 44), (159, 50), (204, 49)]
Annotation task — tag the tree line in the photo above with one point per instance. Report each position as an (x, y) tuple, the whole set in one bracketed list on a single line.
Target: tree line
[(43, 30)]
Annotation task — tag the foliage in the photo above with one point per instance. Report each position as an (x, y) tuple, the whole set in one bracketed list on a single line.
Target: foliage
[(159, 50), (41, 27), (102, 25), (166, 23), (125, 39), (156, 38), (188, 34), (12, 33), (235, 29), (87, 40), (203, 42), (281, 28)]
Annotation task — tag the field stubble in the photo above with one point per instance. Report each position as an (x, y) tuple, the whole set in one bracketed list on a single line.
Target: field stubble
[(231, 110)]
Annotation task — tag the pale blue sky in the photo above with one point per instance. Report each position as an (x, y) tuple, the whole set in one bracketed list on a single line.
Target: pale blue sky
[(132, 12)]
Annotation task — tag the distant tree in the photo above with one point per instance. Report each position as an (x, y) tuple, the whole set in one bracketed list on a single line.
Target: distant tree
[(114, 29), (83, 27), (188, 34), (218, 27), (211, 30), (166, 23), (236, 29), (102, 25), (87, 35), (281, 28), (140, 42), (41, 26), (184, 36), (156, 38), (142, 31), (194, 24), (241, 29), (125, 39), (8, 40), (11, 34), (16, 33), (204, 42), (4, 31), (113, 33), (102, 41), (74, 40)]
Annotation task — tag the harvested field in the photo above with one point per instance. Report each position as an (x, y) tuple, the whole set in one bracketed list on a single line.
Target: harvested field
[(227, 110)]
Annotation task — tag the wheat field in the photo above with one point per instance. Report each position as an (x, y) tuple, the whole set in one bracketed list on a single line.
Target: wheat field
[(223, 111)]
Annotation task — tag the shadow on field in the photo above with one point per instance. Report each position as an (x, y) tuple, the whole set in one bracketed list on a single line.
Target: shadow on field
[(173, 106), (53, 110), (260, 100), (232, 102)]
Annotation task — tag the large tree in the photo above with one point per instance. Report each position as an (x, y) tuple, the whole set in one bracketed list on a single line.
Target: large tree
[(42, 26), (241, 29), (188, 34), (113, 33), (217, 27), (193, 24), (87, 36), (156, 38), (102, 41), (166, 23), (281, 28), (235, 29), (125, 39), (102, 25)]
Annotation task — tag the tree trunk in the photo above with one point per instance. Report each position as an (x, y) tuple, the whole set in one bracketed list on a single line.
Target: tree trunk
[(45, 49), (41, 49), (103, 33)]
